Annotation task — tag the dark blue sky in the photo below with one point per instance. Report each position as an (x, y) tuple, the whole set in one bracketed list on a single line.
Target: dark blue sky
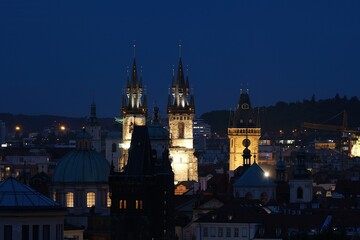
[(55, 55)]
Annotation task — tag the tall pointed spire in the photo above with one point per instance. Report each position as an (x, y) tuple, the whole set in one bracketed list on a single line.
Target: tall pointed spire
[(180, 89), (134, 100), (134, 46), (134, 77)]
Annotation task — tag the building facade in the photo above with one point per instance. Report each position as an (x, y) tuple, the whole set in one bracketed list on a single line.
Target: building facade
[(80, 182), (27, 214), (243, 131), (142, 194)]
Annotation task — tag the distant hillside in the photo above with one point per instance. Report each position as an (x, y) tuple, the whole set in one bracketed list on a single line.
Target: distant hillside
[(288, 116), (285, 116), (40, 122)]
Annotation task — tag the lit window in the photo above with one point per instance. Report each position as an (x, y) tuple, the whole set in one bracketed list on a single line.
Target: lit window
[(108, 200), (122, 204), (138, 204), (90, 199), (69, 199), (54, 196)]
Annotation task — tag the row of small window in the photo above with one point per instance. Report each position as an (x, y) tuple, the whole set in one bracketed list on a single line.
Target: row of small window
[(248, 130), (123, 204), (35, 233), (181, 118), (219, 232), (90, 199)]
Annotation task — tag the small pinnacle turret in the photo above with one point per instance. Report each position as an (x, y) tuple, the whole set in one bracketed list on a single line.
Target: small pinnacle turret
[(181, 98)]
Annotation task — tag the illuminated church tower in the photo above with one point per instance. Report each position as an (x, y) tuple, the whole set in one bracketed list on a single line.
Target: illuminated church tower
[(243, 131), (181, 113), (133, 111)]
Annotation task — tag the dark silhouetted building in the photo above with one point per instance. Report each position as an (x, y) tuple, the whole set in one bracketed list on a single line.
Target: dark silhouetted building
[(142, 195)]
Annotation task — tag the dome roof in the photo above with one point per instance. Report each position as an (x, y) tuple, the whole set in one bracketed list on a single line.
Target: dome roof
[(254, 177), (15, 194), (82, 166)]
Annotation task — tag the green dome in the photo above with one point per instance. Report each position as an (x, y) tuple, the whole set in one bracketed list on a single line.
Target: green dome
[(82, 166)]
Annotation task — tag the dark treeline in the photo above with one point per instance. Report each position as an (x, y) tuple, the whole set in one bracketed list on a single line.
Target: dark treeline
[(284, 116), (289, 116)]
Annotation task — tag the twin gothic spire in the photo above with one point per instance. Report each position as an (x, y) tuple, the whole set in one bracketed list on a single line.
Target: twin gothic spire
[(134, 99)]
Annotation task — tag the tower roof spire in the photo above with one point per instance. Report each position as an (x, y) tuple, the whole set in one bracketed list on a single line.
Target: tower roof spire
[(180, 98), (134, 46)]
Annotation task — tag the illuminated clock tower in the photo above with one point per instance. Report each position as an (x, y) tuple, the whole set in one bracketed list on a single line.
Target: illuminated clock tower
[(243, 132), (133, 112), (181, 113)]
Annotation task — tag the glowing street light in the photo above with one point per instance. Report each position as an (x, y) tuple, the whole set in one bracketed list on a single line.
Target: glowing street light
[(266, 174), (17, 128), (62, 128)]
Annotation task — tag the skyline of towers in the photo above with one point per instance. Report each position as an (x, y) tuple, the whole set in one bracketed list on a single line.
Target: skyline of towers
[(180, 111)]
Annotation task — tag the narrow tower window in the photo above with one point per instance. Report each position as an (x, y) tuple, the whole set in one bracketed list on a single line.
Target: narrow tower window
[(181, 129)]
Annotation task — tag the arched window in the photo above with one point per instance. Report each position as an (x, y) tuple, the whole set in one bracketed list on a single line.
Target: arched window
[(299, 193), (90, 199), (69, 199), (181, 129), (108, 200)]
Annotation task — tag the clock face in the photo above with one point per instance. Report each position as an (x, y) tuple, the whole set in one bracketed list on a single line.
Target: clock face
[(246, 142), (245, 106)]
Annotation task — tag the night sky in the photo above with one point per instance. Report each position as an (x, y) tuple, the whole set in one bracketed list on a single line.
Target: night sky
[(57, 56)]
